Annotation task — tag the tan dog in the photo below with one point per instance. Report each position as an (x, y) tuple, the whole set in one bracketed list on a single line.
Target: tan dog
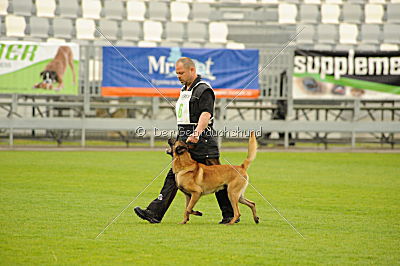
[(195, 179), (55, 69)]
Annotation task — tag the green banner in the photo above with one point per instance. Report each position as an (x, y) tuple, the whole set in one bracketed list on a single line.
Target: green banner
[(335, 75), (39, 68)]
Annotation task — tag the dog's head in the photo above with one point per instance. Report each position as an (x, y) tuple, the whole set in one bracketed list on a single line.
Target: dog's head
[(177, 147), (49, 76)]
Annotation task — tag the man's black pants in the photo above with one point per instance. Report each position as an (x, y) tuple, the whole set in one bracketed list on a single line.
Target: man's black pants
[(160, 205)]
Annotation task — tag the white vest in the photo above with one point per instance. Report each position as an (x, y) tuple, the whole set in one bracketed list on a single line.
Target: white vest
[(182, 106)]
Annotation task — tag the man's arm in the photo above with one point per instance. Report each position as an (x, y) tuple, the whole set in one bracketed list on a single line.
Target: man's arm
[(201, 125)]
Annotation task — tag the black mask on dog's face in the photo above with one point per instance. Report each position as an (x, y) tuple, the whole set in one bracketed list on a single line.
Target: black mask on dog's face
[(181, 149), (49, 76)]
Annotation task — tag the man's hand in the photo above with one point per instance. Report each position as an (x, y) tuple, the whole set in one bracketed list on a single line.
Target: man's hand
[(193, 139)]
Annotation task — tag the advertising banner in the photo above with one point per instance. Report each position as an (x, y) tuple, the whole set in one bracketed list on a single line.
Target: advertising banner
[(133, 71), (39, 68), (338, 75)]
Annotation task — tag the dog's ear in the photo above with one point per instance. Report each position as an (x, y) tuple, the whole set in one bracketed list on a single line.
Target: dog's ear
[(171, 142), (180, 150), (41, 74)]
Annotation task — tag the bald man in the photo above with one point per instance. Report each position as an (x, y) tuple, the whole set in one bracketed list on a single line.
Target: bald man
[(195, 113)]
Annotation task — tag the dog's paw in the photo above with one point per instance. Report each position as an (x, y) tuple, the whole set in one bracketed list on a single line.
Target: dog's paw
[(257, 220)]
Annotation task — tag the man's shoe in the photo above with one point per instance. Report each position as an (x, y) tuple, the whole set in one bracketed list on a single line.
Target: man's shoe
[(146, 215), (227, 220)]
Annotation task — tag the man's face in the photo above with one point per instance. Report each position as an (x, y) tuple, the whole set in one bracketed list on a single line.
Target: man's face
[(184, 74)]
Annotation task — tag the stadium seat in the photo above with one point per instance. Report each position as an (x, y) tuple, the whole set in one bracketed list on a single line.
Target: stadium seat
[(158, 11), (45, 8), (348, 33), (174, 31), (343, 47), (389, 47), (373, 13), (103, 42), (114, 10), (391, 33), (15, 26), (263, 15), (366, 47), (377, 1), (146, 44), (248, 1), (334, 2), (196, 32), (169, 44), (213, 45), (62, 28), (351, 13), (22, 7), (85, 29), (270, 1), (55, 40), (306, 35), (152, 31), (125, 43), (3, 7), (312, 1), (69, 9), (91, 9), (330, 13), (135, 10), (235, 45), (109, 28), (191, 45), (287, 13), (39, 27), (327, 33), (131, 31), (370, 33), (180, 12), (200, 12), (218, 32), (309, 13), (393, 13), (323, 47)]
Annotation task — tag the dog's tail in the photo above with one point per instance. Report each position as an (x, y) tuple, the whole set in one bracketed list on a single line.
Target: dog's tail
[(251, 154)]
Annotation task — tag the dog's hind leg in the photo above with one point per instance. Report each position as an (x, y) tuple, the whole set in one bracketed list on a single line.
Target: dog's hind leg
[(70, 58), (195, 196), (234, 198), (252, 206)]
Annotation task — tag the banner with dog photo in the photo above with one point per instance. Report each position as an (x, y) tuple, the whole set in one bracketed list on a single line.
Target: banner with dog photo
[(348, 74), (39, 68)]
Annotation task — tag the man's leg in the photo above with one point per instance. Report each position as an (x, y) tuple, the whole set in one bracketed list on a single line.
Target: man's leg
[(222, 197), (157, 208)]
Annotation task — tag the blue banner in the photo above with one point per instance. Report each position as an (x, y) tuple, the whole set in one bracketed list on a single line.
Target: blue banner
[(133, 71)]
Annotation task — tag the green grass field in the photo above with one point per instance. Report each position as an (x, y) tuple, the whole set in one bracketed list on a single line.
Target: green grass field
[(53, 204)]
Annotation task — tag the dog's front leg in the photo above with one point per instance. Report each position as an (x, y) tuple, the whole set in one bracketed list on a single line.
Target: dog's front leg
[(189, 207)]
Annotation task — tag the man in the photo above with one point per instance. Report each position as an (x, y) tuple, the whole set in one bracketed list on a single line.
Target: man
[(194, 110)]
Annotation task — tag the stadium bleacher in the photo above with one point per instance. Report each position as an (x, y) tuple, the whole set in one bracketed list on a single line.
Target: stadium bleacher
[(336, 24)]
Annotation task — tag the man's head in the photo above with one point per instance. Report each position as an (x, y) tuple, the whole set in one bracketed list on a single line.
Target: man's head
[(185, 71)]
